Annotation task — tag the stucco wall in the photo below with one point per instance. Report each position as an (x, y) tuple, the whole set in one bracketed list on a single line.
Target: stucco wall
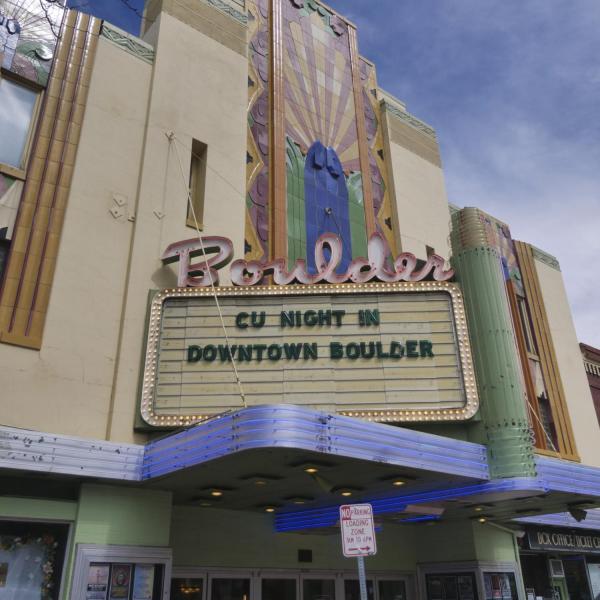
[(570, 364), (193, 99), (66, 386), (419, 190)]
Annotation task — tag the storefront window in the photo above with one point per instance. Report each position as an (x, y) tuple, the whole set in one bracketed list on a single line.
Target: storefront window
[(576, 577), (451, 586), (122, 581), (501, 586), (31, 560), (187, 589), (594, 575), (18, 104)]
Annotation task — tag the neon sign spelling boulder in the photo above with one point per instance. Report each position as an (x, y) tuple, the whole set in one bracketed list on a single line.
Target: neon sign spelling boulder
[(379, 264)]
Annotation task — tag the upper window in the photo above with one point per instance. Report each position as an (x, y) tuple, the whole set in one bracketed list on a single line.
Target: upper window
[(16, 115), (197, 184)]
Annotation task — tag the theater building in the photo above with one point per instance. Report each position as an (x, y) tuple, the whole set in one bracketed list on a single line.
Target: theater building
[(235, 297)]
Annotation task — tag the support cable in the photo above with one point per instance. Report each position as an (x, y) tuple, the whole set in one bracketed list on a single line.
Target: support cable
[(173, 140)]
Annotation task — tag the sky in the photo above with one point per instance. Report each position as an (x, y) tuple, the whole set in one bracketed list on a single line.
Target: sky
[(512, 88)]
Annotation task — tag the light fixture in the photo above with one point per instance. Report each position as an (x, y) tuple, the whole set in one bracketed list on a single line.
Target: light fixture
[(269, 509), (216, 493), (299, 499), (397, 479), (311, 470), (260, 479), (345, 490), (478, 509)]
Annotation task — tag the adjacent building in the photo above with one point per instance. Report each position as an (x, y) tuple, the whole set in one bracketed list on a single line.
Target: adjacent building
[(235, 297)]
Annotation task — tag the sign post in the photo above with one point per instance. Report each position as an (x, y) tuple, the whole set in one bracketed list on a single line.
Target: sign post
[(358, 538)]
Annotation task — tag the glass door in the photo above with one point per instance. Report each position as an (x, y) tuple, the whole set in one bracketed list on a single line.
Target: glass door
[(229, 588), (315, 587), (352, 589), (392, 589), (279, 587)]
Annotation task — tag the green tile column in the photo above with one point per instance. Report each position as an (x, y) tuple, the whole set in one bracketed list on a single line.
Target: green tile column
[(502, 397)]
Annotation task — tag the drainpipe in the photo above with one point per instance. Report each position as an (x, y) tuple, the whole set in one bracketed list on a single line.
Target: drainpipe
[(505, 425)]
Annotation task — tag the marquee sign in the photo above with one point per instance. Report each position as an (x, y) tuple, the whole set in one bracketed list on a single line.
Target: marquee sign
[(381, 351), (217, 252)]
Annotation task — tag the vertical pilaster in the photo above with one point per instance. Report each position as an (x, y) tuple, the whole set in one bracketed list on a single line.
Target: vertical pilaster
[(502, 397), (278, 224), (363, 145)]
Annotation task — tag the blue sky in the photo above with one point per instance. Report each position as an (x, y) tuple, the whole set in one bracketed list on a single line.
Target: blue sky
[(513, 89)]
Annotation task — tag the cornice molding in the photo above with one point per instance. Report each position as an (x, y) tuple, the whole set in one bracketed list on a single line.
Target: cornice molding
[(546, 258), (228, 10), (409, 119), (127, 42)]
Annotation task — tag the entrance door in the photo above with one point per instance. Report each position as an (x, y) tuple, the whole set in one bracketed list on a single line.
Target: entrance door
[(317, 587), (279, 587), (352, 589), (221, 587), (392, 589)]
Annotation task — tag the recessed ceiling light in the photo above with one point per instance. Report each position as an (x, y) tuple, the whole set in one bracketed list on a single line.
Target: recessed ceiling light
[(269, 509), (398, 482), (216, 493), (482, 519), (478, 509), (345, 491), (311, 469), (299, 499)]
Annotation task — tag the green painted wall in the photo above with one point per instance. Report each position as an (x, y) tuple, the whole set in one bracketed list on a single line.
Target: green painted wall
[(232, 539), (120, 515), (493, 544), (108, 515), (34, 508)]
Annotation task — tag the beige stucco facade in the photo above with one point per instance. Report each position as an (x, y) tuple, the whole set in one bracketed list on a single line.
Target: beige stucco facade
[(571, 368)]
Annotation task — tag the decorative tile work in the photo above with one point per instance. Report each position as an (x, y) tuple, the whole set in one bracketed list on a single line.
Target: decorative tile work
[(29, 32), (382, 206), (128, 42), (257, 157), (306, 90), (320, 114), (26, 288), (230, 10)]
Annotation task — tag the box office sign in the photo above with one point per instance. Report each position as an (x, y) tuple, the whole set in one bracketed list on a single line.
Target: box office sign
[(380, 351), (552, 540)]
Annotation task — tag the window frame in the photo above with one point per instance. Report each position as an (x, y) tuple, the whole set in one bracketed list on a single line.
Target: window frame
[(20, 172), (197, 184)]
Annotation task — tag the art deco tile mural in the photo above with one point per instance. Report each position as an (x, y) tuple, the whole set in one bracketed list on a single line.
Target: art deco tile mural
[(314, 114)]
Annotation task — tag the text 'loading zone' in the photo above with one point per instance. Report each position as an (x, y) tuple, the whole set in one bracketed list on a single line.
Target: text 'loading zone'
[(358, 530)]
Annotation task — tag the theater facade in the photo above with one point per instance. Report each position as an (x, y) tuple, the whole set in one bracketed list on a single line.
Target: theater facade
[(235, 297)]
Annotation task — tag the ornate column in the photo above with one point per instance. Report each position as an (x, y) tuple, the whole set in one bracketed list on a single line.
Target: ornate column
[(502, 396)]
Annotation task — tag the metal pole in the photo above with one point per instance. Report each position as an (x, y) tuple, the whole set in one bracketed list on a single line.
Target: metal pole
[(362, 577)]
